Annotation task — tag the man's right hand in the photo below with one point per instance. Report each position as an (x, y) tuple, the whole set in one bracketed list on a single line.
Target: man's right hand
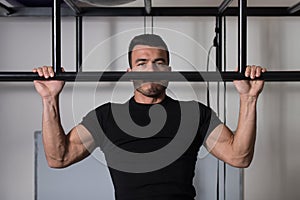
[(47, 88)]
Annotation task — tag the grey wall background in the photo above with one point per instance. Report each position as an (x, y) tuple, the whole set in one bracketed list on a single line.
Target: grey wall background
[(273, 42)]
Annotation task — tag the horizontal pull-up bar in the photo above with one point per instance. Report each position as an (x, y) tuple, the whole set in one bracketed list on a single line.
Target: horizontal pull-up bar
[(182, 76), (155, 11)]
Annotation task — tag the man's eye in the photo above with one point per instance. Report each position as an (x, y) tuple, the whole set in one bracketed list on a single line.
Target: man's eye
[(160, 64), (141, 64)]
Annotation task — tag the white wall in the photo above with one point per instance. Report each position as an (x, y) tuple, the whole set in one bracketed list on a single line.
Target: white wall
[(273, 42)]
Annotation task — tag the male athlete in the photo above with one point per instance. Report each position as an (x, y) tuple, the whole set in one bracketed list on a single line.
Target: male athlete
[(154, 156)]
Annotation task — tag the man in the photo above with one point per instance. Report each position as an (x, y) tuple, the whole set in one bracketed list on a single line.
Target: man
[(182, 128)]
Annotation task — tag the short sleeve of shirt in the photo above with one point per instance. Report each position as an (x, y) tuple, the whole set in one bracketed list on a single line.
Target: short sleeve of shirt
[(208, 119), (94, 123)]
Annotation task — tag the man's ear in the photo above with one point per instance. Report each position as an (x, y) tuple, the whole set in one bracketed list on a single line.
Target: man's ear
[(169, 69), (129, 69)]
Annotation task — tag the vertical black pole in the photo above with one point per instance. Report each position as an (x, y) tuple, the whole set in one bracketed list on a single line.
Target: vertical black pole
[(242, 61), (224, 95), (218, 42), (78, 43), (242, 50), (56, 36), (218, 45), (36, 185)]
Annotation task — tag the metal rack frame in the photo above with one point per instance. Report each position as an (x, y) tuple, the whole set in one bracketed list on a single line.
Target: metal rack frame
[(242, 11)]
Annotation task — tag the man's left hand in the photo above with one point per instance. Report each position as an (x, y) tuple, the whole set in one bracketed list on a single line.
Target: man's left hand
[(251, 88)]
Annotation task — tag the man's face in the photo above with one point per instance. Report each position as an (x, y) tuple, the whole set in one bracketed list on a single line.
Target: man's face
[(149, 59)]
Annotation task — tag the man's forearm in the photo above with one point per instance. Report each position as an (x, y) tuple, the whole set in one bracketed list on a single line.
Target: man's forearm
[(244, 138), (54, 137)]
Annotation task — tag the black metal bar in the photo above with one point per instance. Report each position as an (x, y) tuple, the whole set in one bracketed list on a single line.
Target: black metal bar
[(5, 10), (73, 6), (224, 5), (36, 185), (295, 8), (182, 76), (155, 11), (218, 42), (56, 36), (78, 44), (148, 6), (242, 49)]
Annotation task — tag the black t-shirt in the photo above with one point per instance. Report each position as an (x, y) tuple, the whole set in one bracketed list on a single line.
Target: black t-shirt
[(151, 150)]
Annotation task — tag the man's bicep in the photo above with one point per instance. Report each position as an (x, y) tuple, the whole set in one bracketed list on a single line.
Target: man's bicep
[(219, 141), (81, 136), (81, 143)]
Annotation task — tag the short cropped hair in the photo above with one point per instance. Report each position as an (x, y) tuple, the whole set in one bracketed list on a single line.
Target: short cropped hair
[(149, 40)]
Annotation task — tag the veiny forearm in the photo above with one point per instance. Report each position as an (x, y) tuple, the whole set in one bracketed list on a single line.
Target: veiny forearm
[(54, 137), (244, 138)]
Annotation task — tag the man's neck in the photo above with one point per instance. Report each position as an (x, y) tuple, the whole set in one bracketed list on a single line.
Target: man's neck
[(140, 98)]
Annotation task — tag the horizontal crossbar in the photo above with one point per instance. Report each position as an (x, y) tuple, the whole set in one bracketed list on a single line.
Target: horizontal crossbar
[(183, 76), (155, 11)]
